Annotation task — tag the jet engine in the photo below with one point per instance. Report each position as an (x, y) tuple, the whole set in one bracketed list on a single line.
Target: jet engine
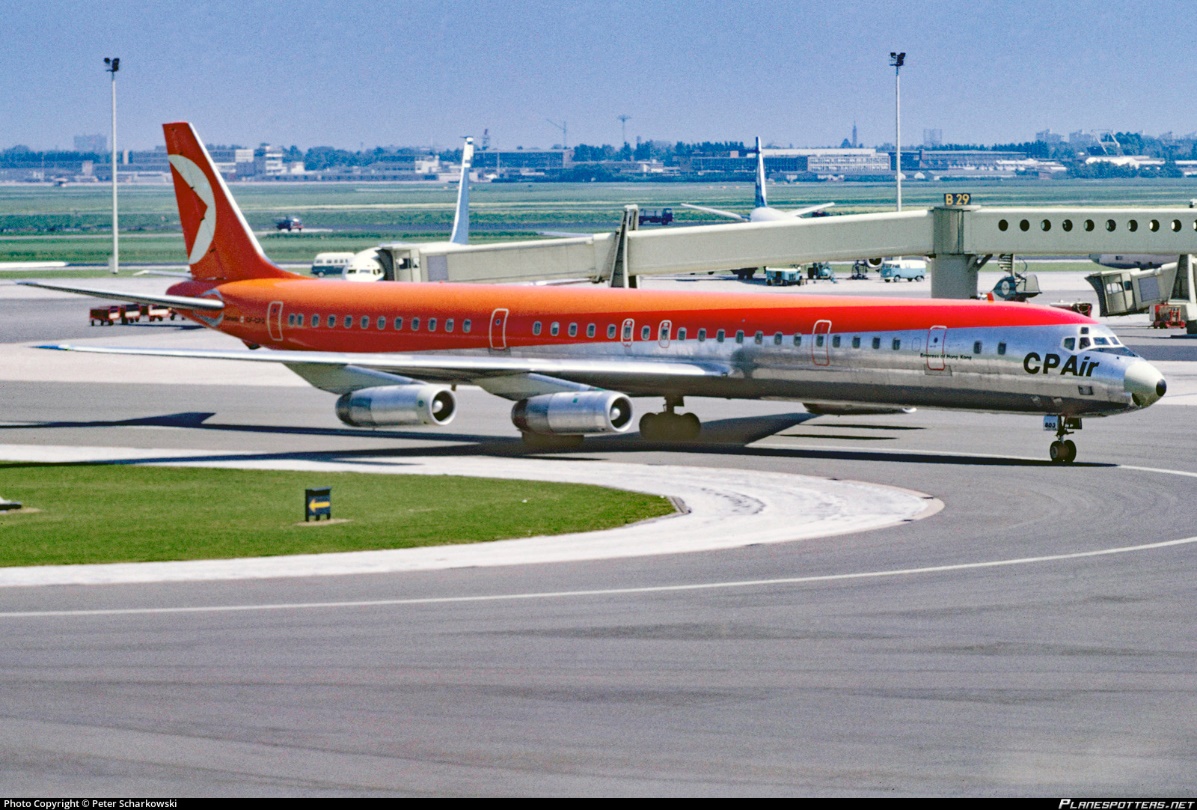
[(573, 413), (397, 405)]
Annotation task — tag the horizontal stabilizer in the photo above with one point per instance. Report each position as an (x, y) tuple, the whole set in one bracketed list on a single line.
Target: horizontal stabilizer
[(179, 301)]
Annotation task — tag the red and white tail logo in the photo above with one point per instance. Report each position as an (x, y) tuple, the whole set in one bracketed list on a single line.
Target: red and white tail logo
[(220, 245)]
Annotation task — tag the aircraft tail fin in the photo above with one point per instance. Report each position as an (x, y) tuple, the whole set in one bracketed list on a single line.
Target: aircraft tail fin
[(760, 177), (220, 244), (461, 219)]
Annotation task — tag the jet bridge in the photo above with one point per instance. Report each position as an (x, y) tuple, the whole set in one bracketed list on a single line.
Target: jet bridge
[(959, 240)]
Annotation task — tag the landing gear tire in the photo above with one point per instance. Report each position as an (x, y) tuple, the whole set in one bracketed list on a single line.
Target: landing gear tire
[(670, 427), (1063, 452)]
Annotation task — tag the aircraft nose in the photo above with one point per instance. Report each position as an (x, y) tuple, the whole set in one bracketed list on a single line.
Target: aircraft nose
[(1144, 383)]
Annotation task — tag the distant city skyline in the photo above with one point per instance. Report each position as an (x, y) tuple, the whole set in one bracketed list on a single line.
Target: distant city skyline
[(353, 75)]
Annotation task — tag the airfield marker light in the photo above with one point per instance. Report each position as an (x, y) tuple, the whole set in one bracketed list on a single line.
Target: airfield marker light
[(114, 64), (896, 60)]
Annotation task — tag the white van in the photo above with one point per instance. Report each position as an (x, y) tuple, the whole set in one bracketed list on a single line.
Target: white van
[(909, 269), (330, 264)]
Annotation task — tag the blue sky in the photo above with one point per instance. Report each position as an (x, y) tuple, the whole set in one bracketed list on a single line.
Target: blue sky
[(349, 73)]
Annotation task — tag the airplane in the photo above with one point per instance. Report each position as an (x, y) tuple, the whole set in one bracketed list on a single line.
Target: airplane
[(373, 264), (570, 359), (1130, 261), (762, 211)]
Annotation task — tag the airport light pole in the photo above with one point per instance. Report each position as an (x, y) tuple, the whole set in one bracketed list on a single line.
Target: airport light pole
[(114, 64), (896, 60), (623, 127)]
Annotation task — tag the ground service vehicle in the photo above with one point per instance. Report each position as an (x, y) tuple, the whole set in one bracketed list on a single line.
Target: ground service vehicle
[(903, 269)]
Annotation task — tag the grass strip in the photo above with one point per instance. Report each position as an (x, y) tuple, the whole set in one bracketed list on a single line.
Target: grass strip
[(97, 513)]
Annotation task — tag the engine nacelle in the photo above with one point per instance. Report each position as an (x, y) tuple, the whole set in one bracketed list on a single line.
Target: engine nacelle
[(397, 405), (875, 264), (574, 412), (849, 409)]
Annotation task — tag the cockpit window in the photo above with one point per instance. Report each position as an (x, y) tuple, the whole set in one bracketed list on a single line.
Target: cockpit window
[(1100, 341), (1119, 350), (1070, 343), (1084, 344)]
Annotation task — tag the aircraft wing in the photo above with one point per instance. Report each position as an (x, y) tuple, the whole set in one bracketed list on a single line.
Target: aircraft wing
[(180, 301), (717, 212), (441, 367), (810, 209)]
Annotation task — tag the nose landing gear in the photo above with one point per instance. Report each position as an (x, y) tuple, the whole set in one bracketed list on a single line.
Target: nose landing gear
[(1062, 451), (669, 426)]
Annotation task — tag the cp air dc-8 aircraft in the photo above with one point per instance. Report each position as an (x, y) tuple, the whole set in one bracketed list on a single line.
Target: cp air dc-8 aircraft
[(570, 358)]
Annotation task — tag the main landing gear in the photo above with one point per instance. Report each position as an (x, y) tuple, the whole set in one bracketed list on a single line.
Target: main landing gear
[(1062, 451), (668, 426)]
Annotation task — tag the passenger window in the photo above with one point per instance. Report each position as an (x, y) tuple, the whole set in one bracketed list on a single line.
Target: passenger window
[(1070, 343), (365, 322), (1001, 348), (432, 324), (835, 342), (720, 335), (290, 320), (591, 330), (573, 330), (819, 340), (627, 330), (702, 335), (897, 344), (797, 340), (645, 332), (315, 321), (759, 337), (610, 331), (554, 328), (332, 321), (382, 323), (348, 321), (399, 324), (777, 339), (415, 324), (739, 336), (465, 326), (536, 328), (856, 342), (876, 343), (976, 347), (449, 325)]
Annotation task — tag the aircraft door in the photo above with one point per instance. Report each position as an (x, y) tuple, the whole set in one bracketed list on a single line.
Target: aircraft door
[(274, 320), (628, 332), (937, 339), (498, 330), (664, 332), (820, 344)]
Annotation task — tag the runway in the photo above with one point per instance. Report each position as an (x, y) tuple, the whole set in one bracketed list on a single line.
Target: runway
[(1033, 637)]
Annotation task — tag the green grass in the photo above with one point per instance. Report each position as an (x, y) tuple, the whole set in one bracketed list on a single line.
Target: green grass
[(123, 513)]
